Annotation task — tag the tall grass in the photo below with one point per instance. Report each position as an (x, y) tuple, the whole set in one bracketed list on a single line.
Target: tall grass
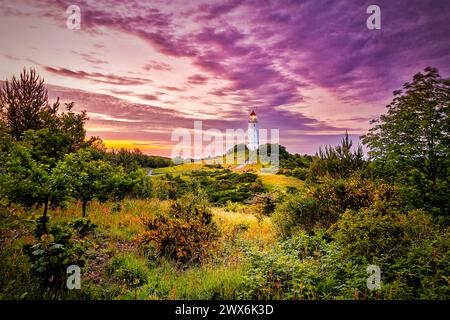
[(120, 224), (206, 282)]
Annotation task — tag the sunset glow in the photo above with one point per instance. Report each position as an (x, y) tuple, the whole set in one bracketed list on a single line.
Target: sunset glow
[(144, 68)]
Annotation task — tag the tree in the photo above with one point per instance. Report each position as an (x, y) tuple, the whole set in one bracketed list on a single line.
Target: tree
[(339, 161), (35, 136), (86, 178), (29, 182), (5, 144), (62, 133), (411, 142), (22, 100)]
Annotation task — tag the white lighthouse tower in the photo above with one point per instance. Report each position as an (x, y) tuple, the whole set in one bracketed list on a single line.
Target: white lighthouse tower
[(252, 132)]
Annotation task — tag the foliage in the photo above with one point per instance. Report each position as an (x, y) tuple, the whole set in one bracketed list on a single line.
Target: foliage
[(22, 100), (128, 270), (412, 254), (53, 253), (132, 160), (266, 202), (411, 143), (300, 211), (86, 178), (322, 204), (286, 270), (82, 226), (220, 186), (29, 182), (338, 162), (186, 233), (44, 136)]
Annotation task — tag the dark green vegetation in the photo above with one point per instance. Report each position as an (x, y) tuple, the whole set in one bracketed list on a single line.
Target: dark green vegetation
[(220, 186), (210, 231)]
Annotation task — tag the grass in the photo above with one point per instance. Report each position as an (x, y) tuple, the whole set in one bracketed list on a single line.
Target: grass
[(245, 226), (181, 168), (272, 181), (123, 225), (205, 282), (126, 270)]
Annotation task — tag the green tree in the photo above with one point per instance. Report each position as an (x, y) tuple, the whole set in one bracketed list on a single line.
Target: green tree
[(29, 182), (35, 136), (339, 161), (411, 142), (22, 101), (87, 178)]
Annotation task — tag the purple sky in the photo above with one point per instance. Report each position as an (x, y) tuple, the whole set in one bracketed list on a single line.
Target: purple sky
[(141, 69)]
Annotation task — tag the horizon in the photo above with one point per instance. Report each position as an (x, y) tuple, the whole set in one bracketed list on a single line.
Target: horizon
[(313, 69)]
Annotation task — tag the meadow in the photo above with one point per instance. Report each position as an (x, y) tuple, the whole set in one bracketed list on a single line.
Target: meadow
[(118, 268), (335, 225)]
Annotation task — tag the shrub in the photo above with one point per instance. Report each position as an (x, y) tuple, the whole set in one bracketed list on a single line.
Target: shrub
[(323, 203), (82, 226), (185, 233), (300, 211), (300, 173), (54, 252), (412, 254), (287, 270), (355, 193), (265, 202), (128, 269), (370, 234), (232, 206)]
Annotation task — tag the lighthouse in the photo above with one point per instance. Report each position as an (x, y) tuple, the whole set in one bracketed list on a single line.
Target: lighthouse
[(252, 132)]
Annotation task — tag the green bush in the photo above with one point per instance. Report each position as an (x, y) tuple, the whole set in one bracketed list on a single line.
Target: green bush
[(82, 226), (128, 269), (300, 211), (265, 202), (54, 252), (323, 203), (185, 233), (413, 255), (287, 270)]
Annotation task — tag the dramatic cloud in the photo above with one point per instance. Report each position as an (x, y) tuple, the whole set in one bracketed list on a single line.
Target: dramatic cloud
[(197, 79), (98, 77), (310, 68)]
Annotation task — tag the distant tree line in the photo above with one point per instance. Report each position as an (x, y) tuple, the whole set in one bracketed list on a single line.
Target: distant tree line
[(133, 159)]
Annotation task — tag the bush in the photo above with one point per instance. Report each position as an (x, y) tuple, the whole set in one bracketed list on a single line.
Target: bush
[(54, 252), (265, 202), (82, 226), (185, 233), (355, 193), (300, 173), (370, 234), (287, 270), (412, 254), (323, 203), (128, 269), (300, 211)]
